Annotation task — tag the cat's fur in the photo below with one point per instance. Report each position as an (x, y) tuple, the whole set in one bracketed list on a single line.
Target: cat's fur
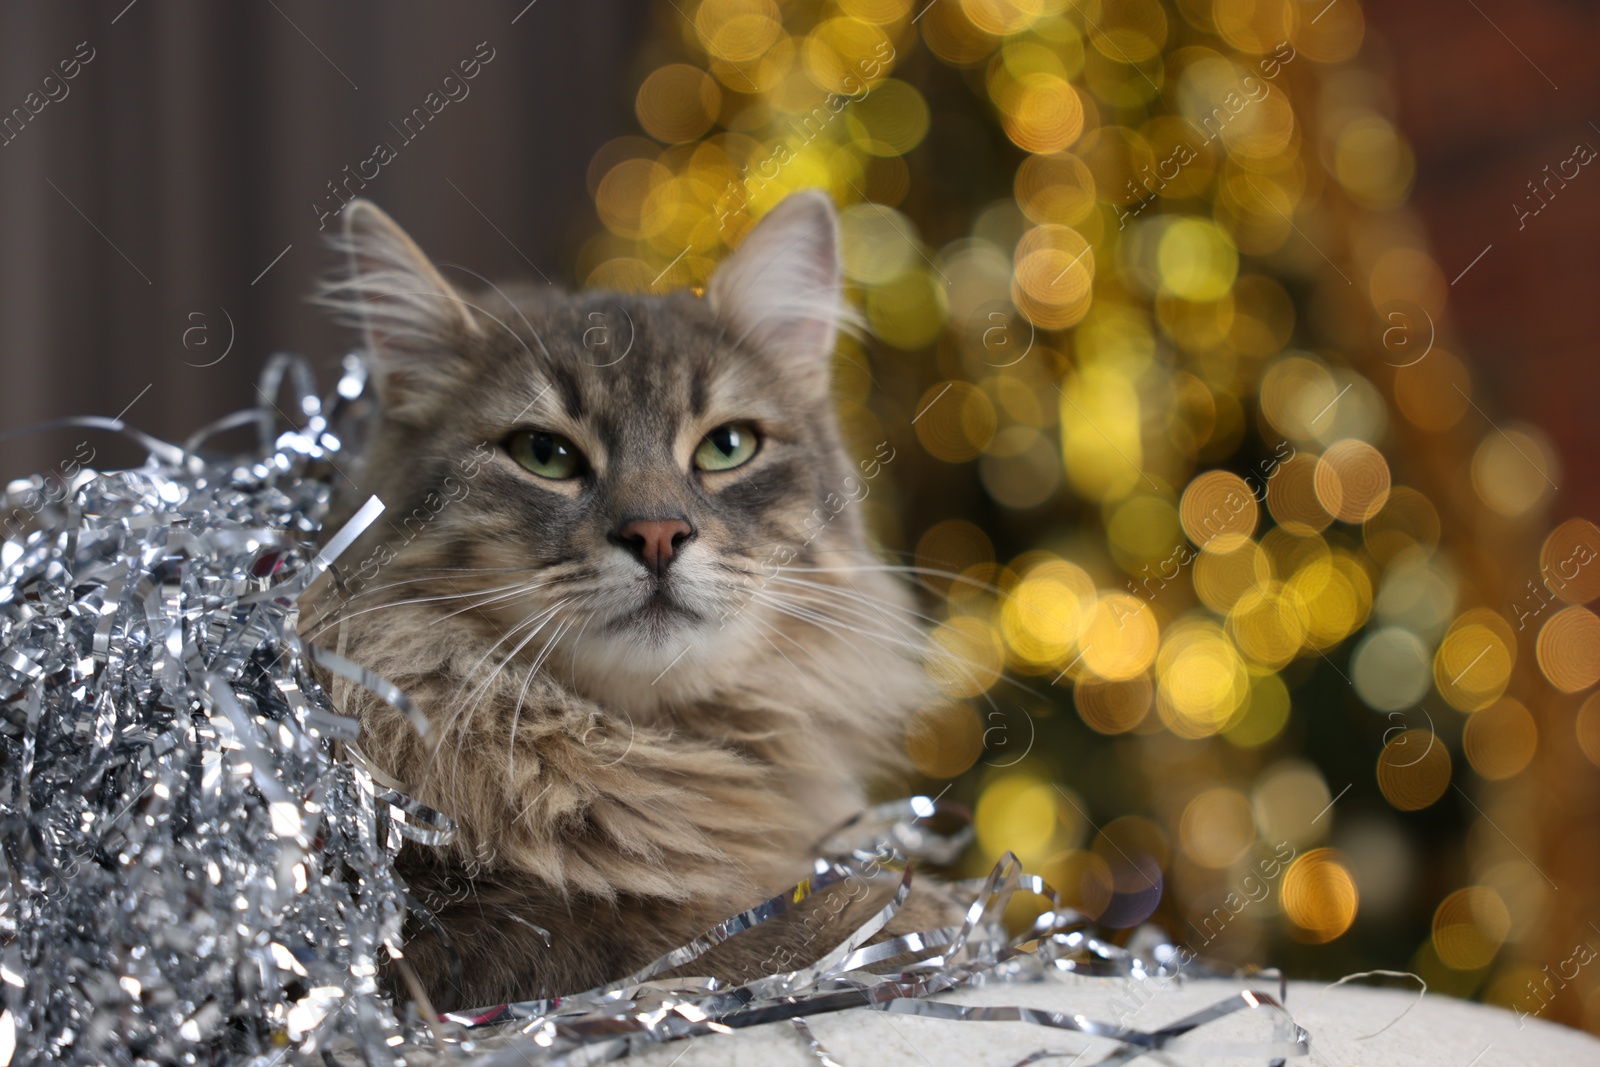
[(629, 758)]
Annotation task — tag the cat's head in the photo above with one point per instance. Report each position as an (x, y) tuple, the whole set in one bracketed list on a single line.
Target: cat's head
[(619, 475)]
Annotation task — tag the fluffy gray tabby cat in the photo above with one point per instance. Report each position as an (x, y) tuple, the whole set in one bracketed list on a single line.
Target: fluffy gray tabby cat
[(654, 680)]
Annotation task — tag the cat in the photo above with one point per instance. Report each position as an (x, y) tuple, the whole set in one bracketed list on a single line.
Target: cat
[(658, 659)]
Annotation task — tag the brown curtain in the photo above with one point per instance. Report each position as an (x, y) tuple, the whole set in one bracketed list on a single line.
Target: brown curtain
[(168, 186)]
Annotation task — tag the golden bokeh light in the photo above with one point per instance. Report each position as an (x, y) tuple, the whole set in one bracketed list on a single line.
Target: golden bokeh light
[(1266, 713), (908, 311), (1217, 828), (1203, 684), (1001, 17), (1056, 189), (678, 103), (1121, 638), (873, 246), (1221, 579), (944, 739), (1414, 769), (1569, 649), (1373, 162), (1473, 665), (893, 118), (1352, 481), (1513, 470), (1290, 803), (1332, 597), (1501, 739), (1267, 626), (1082, 879), (840, 54), (738, 31), (1297, 393), (1319, 895), (1569, 563), (880, 12), (1017, 813), (1587, 728), (1043, 113), (1115, 707), (1254, 25), (1053, 280), (1333, 35), (1146, 539), (1131, 31), (1292, 495), (1197, 260), (1045, 614), (1218, 511), (965, 656), (955, 38), (1100, 442), (957, 421), (1469, 927), (1133, 838), (1407, 519)]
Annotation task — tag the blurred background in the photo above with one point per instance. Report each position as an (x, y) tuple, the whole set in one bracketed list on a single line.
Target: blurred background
[(1236, 354)]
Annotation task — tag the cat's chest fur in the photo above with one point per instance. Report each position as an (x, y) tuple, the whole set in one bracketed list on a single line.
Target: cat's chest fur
[(525, 750)]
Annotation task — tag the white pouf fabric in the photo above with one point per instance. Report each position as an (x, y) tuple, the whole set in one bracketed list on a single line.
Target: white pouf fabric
[(1432, 1030)]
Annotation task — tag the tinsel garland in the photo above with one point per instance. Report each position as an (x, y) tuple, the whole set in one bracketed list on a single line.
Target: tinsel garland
[(199, 861)]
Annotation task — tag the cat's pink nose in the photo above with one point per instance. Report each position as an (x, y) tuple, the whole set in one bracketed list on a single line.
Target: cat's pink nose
[(654, 542)]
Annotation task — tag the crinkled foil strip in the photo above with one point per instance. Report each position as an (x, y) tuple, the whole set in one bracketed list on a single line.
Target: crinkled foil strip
[(641, 1011), (199, 861)]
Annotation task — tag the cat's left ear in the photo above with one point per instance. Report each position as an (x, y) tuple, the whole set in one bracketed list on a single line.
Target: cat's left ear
[(781, 289), (418, 330)]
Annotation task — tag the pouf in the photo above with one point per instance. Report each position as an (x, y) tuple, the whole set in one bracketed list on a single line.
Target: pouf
[(1350, 1026)]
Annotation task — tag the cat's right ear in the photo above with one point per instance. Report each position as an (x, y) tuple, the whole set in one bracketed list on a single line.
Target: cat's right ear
[(415, 324), (782, 288)]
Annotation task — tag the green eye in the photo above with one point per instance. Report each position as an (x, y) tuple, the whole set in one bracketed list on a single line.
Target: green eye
[(549, 455), (727, 447)]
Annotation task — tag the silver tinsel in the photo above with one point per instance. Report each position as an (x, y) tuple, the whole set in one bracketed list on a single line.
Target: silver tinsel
[(193, 873), (199, 861)]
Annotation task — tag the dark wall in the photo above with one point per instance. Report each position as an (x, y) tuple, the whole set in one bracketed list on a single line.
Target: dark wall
[(1488, 105), (147, 204)]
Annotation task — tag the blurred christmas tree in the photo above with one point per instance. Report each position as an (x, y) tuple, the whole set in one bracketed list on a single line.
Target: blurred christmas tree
[(1169, 366)]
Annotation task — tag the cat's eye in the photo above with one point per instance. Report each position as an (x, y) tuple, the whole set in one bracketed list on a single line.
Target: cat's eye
[(549, 455), (728, 446)]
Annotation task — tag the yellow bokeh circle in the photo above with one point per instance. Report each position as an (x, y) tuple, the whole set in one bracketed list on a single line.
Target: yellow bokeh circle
[(1046, 612), (1113, 707), (1203, 684), (1414, 769), (1121, 638), (677, 103), (944, 739), (1469, 927), (1501, 739), (1319, 895), (1218, 511), (966, 656), (1217, 828), (1352, 481), (1473, 665), (1569, 649)]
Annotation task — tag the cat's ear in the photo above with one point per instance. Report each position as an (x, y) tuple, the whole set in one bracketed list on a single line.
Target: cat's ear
[(416, 325), (781, 289)]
